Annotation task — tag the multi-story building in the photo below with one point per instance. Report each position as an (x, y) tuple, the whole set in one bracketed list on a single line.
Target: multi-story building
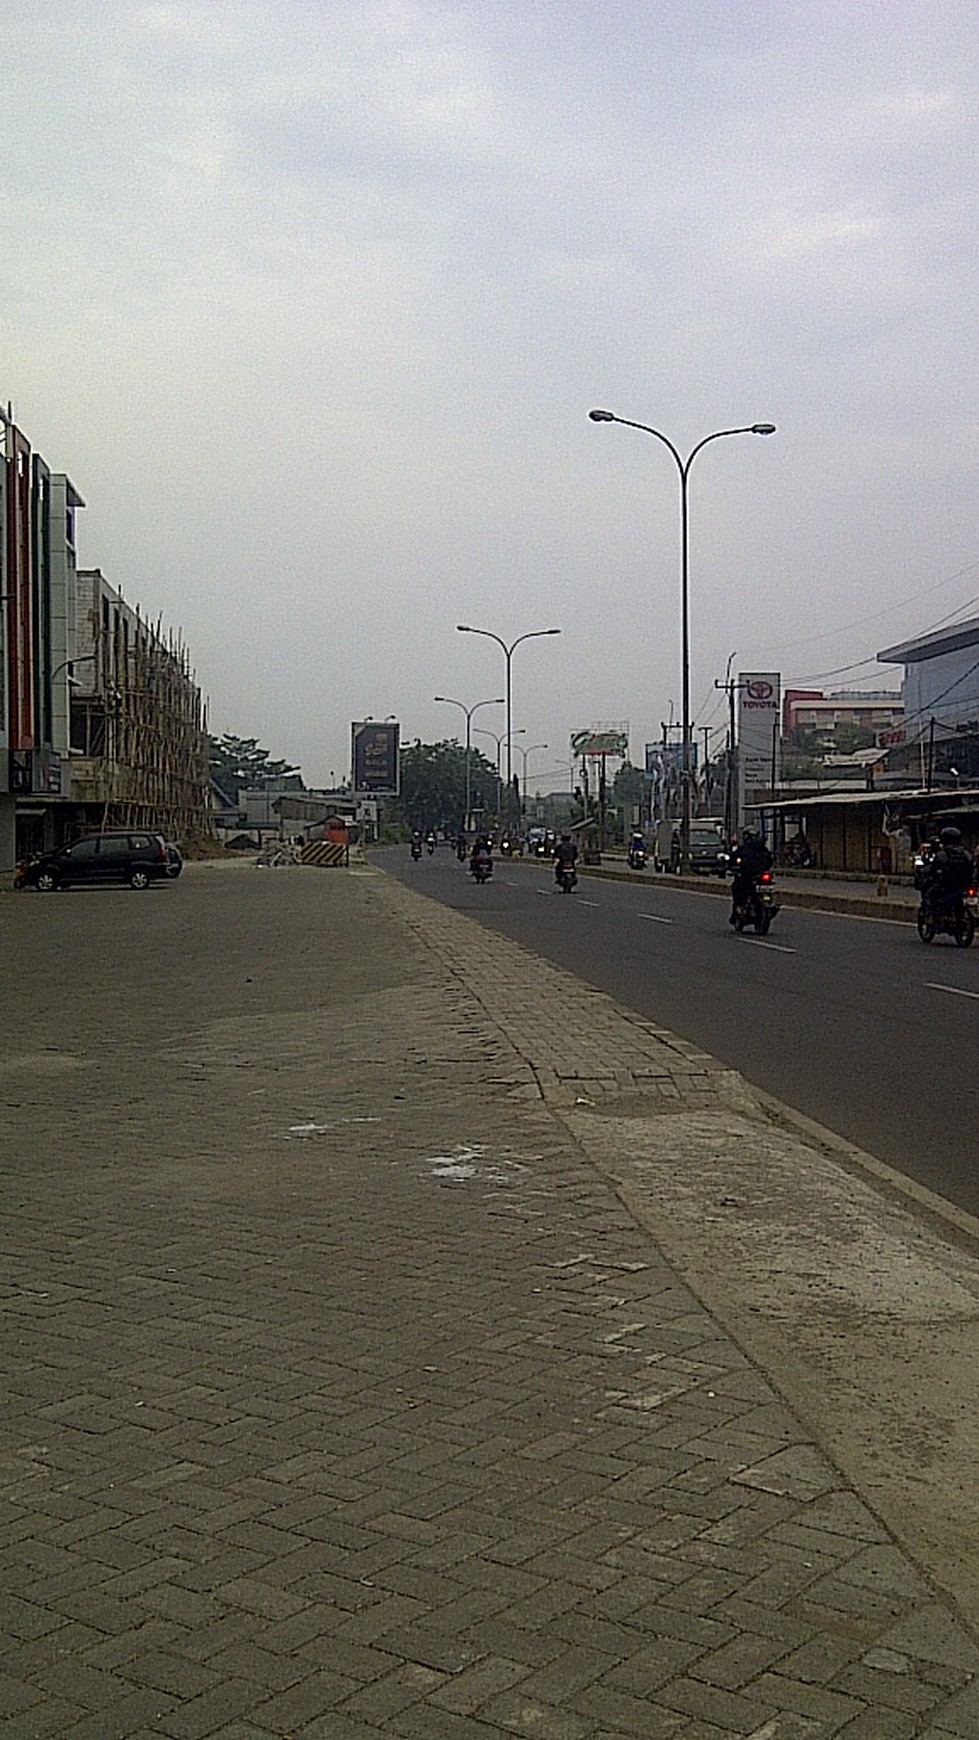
[(877, 711), (139, 752), (941, 677), (101, 722), (37, 567)]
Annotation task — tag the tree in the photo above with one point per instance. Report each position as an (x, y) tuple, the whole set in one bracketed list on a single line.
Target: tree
[(849, 737), (433, 785), (239, 763)]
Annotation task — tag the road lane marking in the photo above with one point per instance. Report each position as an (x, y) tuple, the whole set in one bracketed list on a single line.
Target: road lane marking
[(953, 990), (586, 902), (654, 918), (755, 942)]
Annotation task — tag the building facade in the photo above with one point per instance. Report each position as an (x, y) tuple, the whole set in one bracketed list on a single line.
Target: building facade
[(38, 511), (101, 722), (812, 708), (139, 749), (941, 677)]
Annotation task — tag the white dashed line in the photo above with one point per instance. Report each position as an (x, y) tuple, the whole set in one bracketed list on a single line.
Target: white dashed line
[(586, 902), (755, 942), (654, 918), (953, 990)]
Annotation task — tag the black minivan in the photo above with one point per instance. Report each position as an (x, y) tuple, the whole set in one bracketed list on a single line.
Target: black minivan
[(134, 857)]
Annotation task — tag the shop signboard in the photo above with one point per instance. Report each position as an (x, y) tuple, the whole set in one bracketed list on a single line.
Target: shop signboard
[(759, 736)]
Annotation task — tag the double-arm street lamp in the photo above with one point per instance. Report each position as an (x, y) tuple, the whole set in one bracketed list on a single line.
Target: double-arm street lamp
[(447, 701), (683, 467), (508, 651)]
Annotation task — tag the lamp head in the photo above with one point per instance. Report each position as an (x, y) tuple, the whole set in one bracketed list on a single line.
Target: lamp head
[(763, 428), (602, 416)]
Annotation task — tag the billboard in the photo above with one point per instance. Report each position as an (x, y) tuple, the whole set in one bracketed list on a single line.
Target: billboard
[(375, 759), (600, 743), (759, 736)]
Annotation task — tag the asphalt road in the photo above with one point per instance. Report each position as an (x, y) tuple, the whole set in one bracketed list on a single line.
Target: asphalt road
[(851, 1021)]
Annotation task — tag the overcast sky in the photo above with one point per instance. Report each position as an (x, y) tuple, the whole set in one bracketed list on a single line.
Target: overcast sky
[(311, 299)]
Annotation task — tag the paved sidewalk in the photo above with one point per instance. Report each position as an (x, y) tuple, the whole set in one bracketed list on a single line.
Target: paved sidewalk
[(350, 1389)]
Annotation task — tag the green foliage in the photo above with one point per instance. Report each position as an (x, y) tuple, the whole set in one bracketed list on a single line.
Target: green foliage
[(433, 786), (847, 739), (238, 763), (628, 786)]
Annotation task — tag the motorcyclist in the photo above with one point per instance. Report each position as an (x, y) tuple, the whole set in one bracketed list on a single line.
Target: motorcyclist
[(481, 853), (462, 845), (416, 842), (430, 839), (924, 863), (750, 860), (637, 848), (565, 856), (949, 871)]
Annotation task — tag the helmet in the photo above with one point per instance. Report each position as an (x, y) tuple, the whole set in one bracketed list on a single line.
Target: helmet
[(951, 837), (749, 834)]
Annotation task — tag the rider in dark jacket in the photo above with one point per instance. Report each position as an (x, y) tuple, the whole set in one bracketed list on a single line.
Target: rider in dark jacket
[(749, 860), (950, 871), (565, 855)]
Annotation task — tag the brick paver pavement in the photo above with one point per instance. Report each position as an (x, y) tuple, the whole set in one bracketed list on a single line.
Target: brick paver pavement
[(344, 1397)]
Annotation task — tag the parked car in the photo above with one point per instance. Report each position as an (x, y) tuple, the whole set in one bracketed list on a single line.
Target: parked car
[(133, 857), (175, 862)]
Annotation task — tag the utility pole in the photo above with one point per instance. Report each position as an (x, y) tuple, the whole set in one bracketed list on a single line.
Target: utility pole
[(731, 818)]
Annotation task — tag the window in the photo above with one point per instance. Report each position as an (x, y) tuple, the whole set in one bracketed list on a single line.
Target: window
[(114, 846)]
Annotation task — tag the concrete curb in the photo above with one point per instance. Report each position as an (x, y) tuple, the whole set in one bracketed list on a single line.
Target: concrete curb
[(888, 910)]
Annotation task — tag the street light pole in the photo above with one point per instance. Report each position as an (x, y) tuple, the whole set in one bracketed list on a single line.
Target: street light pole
[(508, 651), (683, 467), (497, 701), (525, 753), (498, 738)]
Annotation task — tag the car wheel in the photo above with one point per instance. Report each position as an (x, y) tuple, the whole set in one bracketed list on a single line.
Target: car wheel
[(47, 882), (138, 879)]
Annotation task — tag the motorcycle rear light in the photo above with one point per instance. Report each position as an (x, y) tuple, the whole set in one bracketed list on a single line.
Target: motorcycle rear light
[(767, 877)]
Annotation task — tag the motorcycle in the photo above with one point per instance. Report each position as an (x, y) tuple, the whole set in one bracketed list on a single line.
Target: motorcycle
[(760, 907), (955, 916), (462, 849), (481, 868), (566, 877), (637, 857), (416, 850), (430, 843)]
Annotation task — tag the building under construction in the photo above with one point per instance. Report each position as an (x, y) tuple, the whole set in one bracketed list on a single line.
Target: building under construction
[(139, 748)]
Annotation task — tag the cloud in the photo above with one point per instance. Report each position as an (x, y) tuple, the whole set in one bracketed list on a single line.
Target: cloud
[(312, 299)]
